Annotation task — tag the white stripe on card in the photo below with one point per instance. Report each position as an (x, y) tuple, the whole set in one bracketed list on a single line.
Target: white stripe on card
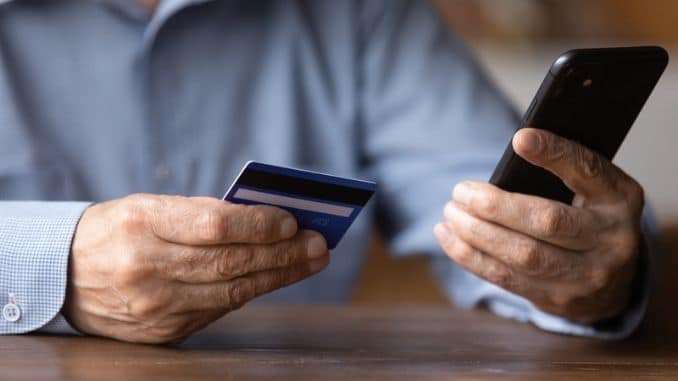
[(291, 202)]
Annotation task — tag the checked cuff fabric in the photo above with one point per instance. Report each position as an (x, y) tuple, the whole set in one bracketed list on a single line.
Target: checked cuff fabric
[(35, 241)]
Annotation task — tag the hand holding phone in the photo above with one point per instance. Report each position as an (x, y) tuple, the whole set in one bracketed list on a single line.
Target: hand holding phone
[(561, 227)]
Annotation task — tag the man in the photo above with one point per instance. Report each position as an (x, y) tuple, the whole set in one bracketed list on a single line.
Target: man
[(102, 100)]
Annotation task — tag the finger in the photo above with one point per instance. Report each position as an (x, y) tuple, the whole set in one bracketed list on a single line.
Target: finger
[(206, 264), (209, 221), (519, 252), (584, 171), (563, 298), (487, 267), (546, 220), (232, 294)]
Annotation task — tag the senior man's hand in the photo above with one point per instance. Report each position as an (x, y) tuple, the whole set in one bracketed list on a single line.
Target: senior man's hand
[(154, 269), (574, 261)]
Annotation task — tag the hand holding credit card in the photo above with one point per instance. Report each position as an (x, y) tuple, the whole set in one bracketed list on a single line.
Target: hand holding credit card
[(324, 203)]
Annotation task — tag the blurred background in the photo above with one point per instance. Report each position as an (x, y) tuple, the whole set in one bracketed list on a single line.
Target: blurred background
[(516, 41)]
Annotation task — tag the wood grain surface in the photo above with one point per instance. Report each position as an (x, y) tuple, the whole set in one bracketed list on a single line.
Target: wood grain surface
[(393, 341), (361, 343)]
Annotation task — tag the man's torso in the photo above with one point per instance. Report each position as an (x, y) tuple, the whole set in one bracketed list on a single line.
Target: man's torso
[(97, 100)]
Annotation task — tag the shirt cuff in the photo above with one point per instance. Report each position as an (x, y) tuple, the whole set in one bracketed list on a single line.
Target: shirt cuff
[(35, 243), (59, 325)]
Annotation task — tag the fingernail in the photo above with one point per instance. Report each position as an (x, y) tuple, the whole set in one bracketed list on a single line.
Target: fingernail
[(317, 265), (530, 142), (316, 247), (288, 227), (462, 193), (441, 232)]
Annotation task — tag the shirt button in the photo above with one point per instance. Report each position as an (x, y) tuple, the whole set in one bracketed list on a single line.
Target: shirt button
[(11, 312), (163, 172)]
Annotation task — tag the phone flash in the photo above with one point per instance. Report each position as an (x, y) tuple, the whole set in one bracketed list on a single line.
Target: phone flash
[(587, 82)]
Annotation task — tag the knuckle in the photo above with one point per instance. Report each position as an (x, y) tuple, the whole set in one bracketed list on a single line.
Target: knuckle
[(557, 147), (259, 220), (554, 220), (250, 260), (211, 226), (600, 279), (131, 215), (286, 254), (125, 273), (232, 262), (130, 268), (274, 280), (239, 292), (146, 308), (463, 254), (529, 257), (193, 260), (550, 268), (591, 165), (489, 204)]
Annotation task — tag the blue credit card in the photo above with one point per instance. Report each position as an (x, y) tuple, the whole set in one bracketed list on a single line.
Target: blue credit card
[(324, 203)]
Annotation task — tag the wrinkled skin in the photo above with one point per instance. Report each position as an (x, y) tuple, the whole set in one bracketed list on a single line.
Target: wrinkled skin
[(155, 269), (577, 261)]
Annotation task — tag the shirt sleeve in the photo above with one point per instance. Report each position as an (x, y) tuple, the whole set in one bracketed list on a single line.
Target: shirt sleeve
[(35, 242), (431, 119)]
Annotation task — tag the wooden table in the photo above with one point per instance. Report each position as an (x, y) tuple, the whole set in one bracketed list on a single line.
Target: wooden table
[(359, 343)]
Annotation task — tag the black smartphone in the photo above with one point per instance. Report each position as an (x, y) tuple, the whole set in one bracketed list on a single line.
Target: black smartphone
[(591, 96)]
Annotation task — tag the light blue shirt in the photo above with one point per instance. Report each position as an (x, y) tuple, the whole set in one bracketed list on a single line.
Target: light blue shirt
[(99, 99)]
